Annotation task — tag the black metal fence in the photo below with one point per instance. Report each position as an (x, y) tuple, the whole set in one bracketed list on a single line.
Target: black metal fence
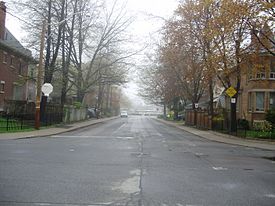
[(53, 114), (11, 122), (223, 126), (20, 115)]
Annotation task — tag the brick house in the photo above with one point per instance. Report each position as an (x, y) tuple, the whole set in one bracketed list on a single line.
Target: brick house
[(14, 65), (257, 92)]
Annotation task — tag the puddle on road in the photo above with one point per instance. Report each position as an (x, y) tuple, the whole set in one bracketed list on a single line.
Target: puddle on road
[(130, 185)]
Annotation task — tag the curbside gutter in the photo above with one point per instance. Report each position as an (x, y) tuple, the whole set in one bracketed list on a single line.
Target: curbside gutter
[(223, 138)]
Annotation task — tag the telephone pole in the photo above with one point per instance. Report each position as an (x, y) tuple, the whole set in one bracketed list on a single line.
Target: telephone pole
[(39, 76)]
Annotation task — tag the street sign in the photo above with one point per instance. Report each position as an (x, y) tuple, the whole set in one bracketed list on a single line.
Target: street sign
[(233, 100), (231, 91), (47, 88)]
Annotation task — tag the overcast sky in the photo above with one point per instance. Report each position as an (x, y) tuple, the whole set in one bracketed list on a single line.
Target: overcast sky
[(149, 15), (143, 24)]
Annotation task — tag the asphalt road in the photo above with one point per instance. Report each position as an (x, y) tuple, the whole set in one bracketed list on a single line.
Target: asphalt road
[(133, 161)]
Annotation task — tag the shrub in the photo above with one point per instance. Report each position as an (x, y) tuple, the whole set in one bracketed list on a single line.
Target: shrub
[(263, 126), (270, 116), (243, 123), (77, 105)]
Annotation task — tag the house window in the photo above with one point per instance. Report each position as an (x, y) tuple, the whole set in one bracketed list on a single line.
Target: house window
[(259, 101), (272, 69), (20, 68), (31, 72), (12, 61), (5, 57), (17, 92), (250, 101), (260, 75), (250, 76), (2, 87), (272, 100)]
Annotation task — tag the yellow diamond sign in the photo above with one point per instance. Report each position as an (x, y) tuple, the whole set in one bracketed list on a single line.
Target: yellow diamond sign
[(231, 91)]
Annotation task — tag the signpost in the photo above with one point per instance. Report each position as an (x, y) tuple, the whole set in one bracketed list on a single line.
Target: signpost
[(47, 88), (231, 92)]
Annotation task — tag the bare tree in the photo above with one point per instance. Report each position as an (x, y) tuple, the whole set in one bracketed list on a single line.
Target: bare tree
[(98, 41)]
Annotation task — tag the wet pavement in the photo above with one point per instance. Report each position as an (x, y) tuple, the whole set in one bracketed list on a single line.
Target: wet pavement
[(133, 161)]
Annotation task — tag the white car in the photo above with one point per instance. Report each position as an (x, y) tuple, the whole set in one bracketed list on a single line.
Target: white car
[(123, 114)]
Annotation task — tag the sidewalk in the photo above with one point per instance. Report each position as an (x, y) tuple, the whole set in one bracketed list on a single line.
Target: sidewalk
[(224, 138), (53, 130)]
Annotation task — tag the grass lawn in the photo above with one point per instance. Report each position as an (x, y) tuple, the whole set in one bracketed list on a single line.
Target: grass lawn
[(13, 125), (260, 134), (256, 134)]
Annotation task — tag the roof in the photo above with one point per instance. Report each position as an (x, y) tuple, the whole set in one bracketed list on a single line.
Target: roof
[(12, 44)]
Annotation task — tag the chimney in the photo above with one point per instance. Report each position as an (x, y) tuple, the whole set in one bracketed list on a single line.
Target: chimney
[(2, 19)]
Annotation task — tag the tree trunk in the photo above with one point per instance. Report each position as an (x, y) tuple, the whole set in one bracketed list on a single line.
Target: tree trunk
[(233, 111), (211, 100), (48, 73), (164, 110), (65, 78)]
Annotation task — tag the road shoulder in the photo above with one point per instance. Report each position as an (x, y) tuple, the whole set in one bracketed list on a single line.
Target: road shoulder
[(222, 138), (53, 130)]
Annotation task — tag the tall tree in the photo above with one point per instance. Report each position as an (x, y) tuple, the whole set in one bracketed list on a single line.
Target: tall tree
[(262, 23), (182, 55), (99, 40), (230, 38)]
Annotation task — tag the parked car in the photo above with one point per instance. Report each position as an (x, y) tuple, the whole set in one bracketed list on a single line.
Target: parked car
[(123, 114), (91, 112)]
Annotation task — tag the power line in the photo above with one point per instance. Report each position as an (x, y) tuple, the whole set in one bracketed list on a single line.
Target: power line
[(17, 17)]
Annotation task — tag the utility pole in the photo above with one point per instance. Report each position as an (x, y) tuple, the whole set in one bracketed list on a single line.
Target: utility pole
[(39, 76)]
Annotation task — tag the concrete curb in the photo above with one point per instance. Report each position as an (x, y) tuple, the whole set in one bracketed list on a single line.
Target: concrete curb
[(53, 130), (223, 138)]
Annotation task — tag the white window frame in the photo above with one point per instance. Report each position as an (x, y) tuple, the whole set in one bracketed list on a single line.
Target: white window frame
[(250, 101), (2, 87), (5, 58), (12, 61), (272, 75), (20, 68), (263, 102)]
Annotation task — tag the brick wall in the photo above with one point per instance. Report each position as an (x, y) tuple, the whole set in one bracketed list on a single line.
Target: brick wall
[(251, 84), (13, 73)]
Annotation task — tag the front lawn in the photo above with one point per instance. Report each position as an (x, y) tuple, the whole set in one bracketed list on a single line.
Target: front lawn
[(14, 125)]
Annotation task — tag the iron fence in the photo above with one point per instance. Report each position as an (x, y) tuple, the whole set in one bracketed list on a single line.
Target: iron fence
[(11, 122), (244, 132), (20, 115), (53, 114)]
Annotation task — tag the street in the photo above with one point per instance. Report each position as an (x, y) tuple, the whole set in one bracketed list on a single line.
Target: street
[(133, 161)]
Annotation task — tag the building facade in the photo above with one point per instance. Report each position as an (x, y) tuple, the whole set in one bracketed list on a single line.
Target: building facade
[(257, 94), (14, 65)]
